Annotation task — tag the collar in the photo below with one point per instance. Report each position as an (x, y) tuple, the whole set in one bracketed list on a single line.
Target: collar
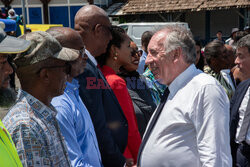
[(72, 86), (106, 70), (36, 105), (91, 57), (182, 79)]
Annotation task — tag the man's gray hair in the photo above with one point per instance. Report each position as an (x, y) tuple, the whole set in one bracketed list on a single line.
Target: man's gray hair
[(244, 42), (180, 37)]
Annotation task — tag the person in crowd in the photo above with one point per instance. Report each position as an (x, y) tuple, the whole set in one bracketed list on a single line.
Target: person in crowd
[(239, 35), (2, 15), (217, 60), (110, 124), (184, 130), (231, 40), (138, 90), (12, 15), (240, 108), (119, 54), (7, 94), (42, 71), (199, 62), (145, 38), (219, 36), (156, 88), (247, 29), (73, 117), (8, 45), (227, 73)]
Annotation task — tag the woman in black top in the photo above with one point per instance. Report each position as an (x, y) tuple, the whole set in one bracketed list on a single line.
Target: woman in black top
[(138, 90)]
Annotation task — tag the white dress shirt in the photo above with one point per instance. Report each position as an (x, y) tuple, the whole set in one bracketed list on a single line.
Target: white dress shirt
[(193, 128), (243, 129), (226, 75), (91, 57)]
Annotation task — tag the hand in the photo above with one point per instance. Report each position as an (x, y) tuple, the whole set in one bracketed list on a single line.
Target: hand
[(129, 162)]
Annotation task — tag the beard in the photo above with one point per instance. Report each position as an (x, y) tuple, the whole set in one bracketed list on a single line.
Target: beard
[(7, 97)]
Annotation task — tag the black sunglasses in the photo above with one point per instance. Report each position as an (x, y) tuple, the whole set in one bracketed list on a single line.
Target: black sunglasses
[(136, 53)]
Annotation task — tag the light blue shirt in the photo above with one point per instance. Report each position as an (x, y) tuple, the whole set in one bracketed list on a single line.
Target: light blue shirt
[(141, 65), (77, 128)]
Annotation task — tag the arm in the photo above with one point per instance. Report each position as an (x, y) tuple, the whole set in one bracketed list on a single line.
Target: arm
[(92, 98), (134, 139), (212, 127), (66, 122)]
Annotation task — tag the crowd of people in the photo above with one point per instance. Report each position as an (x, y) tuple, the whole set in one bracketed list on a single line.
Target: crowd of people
[(90, 97)]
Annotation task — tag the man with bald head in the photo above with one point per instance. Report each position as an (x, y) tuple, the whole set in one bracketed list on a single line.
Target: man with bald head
[(73, 117), (111, 128)]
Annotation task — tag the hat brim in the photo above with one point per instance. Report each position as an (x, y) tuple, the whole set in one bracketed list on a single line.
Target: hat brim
[(12, 45), (67, 54)]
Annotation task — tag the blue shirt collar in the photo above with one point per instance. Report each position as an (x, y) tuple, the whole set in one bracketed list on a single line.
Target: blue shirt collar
[(182, 79), (72, 87)]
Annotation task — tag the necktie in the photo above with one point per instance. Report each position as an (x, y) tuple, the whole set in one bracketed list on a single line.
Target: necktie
[(152, 123)]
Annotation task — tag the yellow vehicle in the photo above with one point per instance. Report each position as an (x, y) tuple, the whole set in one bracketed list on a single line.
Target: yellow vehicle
[(40, 27)]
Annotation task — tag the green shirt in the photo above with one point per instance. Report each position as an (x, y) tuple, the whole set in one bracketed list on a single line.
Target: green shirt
[(8, 153)]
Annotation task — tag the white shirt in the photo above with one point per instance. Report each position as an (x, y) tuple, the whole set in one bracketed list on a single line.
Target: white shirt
[(226, 75), (243, 129), (91, 57), (193, 128)]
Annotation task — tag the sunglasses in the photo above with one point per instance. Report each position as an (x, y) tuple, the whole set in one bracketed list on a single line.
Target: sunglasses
[(136, 53), (82, 52)]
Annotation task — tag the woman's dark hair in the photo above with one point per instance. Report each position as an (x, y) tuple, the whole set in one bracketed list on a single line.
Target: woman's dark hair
[(118, 37), (200, 64)]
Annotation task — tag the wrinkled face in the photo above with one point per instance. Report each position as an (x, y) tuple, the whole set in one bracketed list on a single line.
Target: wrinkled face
[(124, 52), (77, 66), (58, 75), (134, 59), (243, 61), (160, 63), (5, 71)]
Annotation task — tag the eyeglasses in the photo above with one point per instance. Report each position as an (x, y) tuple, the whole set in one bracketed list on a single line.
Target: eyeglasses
[(136, 53), (66, 66), (82, 52)]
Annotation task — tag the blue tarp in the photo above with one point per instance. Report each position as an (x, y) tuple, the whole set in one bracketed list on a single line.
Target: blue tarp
[(10, 25)]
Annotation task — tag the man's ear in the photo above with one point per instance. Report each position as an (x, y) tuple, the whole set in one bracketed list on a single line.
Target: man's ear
[(177, 53), (97, 29)]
